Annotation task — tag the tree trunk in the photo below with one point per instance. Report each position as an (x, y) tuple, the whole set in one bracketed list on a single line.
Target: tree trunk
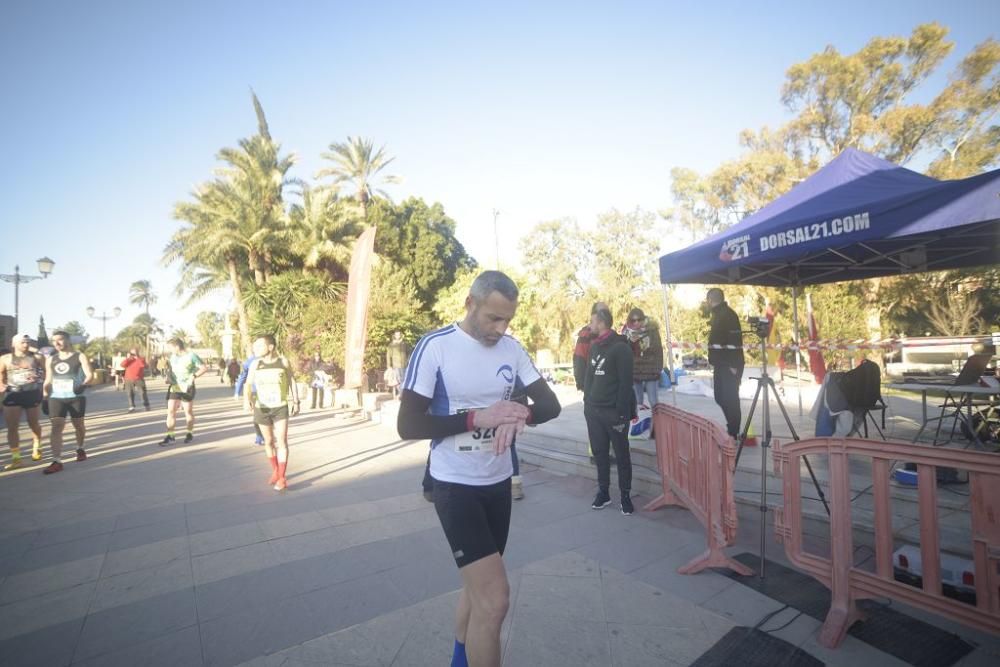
[(255, 266), (241, 309)]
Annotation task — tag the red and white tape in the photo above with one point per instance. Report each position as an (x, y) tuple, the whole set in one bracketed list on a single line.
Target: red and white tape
[(843, 345)]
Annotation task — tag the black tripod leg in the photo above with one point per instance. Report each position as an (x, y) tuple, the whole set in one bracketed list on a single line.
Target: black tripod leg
[(746, 426), (812, 475)]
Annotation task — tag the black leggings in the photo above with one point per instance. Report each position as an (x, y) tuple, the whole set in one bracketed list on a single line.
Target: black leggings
[(606, 429)]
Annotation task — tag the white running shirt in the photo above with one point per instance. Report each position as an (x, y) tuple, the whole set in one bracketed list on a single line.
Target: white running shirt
[(458, 373)]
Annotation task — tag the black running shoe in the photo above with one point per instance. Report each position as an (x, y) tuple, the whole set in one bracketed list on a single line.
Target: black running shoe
[(601, 500), (189, 437), (627, 508), (169, 440)]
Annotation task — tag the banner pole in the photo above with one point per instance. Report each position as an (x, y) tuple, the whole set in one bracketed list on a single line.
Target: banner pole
[(798, 345), (670, 345)]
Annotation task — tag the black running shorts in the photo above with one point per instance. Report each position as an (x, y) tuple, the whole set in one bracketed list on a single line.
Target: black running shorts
[(74, 407), (476, 519), (267, 416), (23, 399), (183, 396)]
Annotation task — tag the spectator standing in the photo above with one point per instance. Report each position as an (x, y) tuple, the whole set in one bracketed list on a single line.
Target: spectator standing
[(397, 355), (727, 361), (319, 380), (135, 378), (647, 356), (233, 371)]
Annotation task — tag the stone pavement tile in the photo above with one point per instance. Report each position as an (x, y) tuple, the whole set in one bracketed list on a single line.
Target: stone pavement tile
[(797, 632), (981, 657), (232, 639), (745, 606), (146, 556), (206, 521), (256, 590), (364, 511), (47, 647), (697, 588), (432, 638), (569, 599), (146, 534), (523, 548), (58, 554), (148, 516), (630, 601), (532, 512), (73, 531), (217, 504), (125, 589), (292, 525), (851, 653), (181, 648), (423, 578), (375, 643), (40, 611), (538, 638), (647, 542), (569, 564), (45, 580), (584, 528), (656, 646), (231, 562), (230, 537), (18, 543), (127, 625)]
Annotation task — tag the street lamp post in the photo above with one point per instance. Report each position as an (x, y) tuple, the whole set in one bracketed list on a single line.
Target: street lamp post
[(496, 237), (103, 317), (45, 266)]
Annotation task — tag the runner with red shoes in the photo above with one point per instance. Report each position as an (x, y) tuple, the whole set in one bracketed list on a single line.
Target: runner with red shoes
[(270, 390)]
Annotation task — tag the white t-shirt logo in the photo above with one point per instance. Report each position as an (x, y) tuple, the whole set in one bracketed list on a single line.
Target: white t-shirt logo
[(61, 368)]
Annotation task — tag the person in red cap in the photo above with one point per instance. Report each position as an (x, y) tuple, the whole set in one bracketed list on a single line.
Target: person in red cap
[(135, 378)]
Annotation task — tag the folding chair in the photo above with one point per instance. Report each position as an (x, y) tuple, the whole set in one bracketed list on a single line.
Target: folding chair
[(862, 387)]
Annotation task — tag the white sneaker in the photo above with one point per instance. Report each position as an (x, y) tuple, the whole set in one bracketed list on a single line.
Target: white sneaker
[(516, 488)]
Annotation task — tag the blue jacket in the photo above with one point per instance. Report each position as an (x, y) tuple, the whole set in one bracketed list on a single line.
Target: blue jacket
[(241, 380)]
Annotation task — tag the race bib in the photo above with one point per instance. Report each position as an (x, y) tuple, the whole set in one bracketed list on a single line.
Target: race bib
[(270, 397), (63, 386), (476, 440)]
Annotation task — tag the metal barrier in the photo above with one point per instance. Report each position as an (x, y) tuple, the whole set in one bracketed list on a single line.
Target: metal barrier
[(847, 583), (695, 458)]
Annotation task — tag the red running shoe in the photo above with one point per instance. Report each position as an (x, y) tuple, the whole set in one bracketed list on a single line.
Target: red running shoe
[(81, 455), (53, 467), (281, 484)]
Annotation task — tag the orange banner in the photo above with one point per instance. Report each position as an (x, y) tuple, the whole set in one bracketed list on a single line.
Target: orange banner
[(358, 291)]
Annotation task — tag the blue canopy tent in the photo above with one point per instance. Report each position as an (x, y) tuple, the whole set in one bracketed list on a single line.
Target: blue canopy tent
[(857, 217)]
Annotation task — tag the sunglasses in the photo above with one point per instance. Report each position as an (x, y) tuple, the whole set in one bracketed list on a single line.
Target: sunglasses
[(635, 319)]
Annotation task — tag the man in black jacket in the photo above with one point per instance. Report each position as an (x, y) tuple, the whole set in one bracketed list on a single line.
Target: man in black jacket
[(609, 406), (727, 364)]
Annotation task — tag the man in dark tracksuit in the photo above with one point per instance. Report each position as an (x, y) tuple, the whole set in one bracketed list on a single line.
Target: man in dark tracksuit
[(609, 406), (727, 365)]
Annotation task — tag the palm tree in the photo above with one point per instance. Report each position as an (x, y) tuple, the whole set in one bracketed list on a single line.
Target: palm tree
[(357, 162), (323, 231), (141, 294), (237, 222)]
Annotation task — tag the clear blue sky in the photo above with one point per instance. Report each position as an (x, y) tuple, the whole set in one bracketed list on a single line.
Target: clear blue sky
[(112, 111)]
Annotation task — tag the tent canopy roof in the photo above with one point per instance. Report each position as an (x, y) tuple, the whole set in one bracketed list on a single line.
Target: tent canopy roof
[(857, 217)]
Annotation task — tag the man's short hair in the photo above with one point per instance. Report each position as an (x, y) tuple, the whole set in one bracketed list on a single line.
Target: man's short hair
[(603, 313), (716, 294), (60, 332), (176, 341), (269, 339), (488, 282)]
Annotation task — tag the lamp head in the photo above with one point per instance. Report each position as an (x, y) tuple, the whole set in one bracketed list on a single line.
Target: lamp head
[(45, 266), (90, 311), (117, 311)]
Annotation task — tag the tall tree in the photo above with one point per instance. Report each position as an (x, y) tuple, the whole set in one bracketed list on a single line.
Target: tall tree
[(323, 230), (358, 163), (43, 337), (141, 294), (421, 241), (867, 100)]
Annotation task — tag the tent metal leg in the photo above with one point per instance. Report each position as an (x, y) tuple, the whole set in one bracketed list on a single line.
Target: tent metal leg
[(670, 345), (798, 345)]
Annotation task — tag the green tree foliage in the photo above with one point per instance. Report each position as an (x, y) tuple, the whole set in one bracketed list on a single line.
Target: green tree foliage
[(323, 230), (420, 239), (358, 163), (74, 328), (209, 326), (140, 293), (874, 100)]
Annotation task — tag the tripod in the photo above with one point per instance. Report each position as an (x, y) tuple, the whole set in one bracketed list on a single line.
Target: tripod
[(765, 386)]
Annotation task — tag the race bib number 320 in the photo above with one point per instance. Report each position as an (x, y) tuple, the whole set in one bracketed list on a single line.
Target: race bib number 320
[(476, 440)]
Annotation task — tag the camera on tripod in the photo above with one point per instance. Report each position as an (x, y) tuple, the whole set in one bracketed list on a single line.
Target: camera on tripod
[(760, 326)]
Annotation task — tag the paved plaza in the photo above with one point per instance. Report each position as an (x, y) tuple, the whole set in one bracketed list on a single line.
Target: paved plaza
[(183, 556)]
